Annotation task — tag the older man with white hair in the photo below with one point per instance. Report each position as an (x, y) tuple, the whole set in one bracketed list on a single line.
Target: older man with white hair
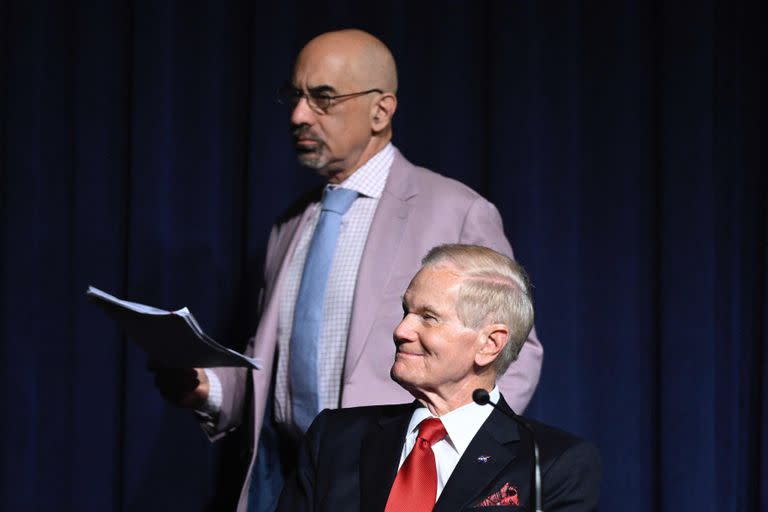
[(466, 314)]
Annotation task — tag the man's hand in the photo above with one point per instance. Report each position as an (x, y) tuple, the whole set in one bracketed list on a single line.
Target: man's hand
[(183, 387)]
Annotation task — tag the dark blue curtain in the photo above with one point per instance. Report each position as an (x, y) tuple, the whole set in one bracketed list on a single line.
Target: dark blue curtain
[(142, 152)]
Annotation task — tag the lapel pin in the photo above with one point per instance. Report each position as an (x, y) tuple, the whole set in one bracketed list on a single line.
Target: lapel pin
[(484, 458)]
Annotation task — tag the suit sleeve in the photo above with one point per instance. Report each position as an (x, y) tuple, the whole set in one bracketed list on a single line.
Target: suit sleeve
[(483, 226), (234, 381), (300, 488), (572, 482)]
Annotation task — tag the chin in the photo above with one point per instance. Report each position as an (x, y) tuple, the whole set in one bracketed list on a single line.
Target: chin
[(396, 374), (312, 160), (402, 376)]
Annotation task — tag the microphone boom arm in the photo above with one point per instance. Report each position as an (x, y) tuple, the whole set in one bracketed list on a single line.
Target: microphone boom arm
[(481, 397)]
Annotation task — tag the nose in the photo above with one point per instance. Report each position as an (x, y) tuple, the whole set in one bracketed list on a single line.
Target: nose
[(302, 113), (404, 331)]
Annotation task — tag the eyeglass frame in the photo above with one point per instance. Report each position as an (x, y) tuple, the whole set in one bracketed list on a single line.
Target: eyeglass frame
[(290, 96)]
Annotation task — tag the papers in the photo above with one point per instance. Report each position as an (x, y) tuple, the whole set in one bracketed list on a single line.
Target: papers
[(171, 338)]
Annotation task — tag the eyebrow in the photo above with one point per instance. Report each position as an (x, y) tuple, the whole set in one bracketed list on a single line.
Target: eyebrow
[(320, 89), (422, 308)]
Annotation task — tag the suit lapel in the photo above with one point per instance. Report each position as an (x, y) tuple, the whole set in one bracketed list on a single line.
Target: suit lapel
[(286, 245), (380, 456), (496, 443), (379, 256), (266, 337)]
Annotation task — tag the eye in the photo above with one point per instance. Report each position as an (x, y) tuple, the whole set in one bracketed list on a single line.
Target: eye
[(322, 100), (429, 317)]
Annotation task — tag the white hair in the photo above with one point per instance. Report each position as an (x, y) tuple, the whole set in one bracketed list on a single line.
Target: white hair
[(494, 289)]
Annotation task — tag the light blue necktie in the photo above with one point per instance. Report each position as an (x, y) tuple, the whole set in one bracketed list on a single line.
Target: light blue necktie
[(308, 313)]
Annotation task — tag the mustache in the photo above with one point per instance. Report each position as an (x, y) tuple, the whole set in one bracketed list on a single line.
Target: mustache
[(303, 132)]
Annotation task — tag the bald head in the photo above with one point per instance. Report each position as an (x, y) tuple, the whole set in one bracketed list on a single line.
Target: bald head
[(357, 55), (349, 80)]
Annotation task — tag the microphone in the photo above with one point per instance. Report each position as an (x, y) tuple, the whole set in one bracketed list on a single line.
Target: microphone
[(482, 397)]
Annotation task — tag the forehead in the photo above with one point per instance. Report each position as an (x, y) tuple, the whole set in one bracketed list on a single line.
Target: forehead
[(434, 286), (323, 65)]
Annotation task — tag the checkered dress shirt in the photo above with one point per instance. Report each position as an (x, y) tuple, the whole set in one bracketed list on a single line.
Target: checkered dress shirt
[(369, 182)]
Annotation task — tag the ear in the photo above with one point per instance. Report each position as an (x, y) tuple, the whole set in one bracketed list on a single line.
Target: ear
[(382, 111), (492, 339)]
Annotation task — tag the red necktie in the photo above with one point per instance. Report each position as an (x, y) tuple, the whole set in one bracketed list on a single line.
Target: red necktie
[(415, 487)]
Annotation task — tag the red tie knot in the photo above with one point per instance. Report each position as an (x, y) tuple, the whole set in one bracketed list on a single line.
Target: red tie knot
[(432, 430)]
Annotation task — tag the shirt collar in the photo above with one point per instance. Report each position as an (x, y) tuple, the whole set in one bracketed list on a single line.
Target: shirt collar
[(369, 180), (461, 424)]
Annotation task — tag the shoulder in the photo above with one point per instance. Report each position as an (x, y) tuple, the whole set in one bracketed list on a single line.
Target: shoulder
[(353, 418), (285, 227), (297, 207), (568, 461), (570, 466), (553, 442), (333, 429), (426, 181), (445, 210)]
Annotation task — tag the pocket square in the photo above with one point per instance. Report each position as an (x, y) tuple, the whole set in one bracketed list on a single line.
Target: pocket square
[(507, 495)]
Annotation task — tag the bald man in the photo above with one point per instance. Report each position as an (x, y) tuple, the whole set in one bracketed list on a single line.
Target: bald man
[(335, 271)]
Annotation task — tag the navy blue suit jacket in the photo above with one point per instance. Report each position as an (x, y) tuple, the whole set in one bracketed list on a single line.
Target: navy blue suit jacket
[(349, 460)]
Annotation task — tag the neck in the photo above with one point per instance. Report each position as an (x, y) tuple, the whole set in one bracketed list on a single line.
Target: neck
[(441, 401), (375, 145)]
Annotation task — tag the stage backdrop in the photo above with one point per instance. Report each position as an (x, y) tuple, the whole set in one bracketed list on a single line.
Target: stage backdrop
[(143, 152)]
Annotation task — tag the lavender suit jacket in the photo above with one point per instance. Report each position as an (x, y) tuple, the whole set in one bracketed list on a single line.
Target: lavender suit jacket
[(418, 210)]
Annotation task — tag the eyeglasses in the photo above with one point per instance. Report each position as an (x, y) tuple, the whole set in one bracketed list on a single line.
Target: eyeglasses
[(317, 100)]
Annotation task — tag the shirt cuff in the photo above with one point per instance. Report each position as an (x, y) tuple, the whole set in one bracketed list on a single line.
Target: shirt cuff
[(209, 411)]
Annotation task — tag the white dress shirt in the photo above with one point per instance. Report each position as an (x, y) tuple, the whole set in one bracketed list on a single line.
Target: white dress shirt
[(461, 426)]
